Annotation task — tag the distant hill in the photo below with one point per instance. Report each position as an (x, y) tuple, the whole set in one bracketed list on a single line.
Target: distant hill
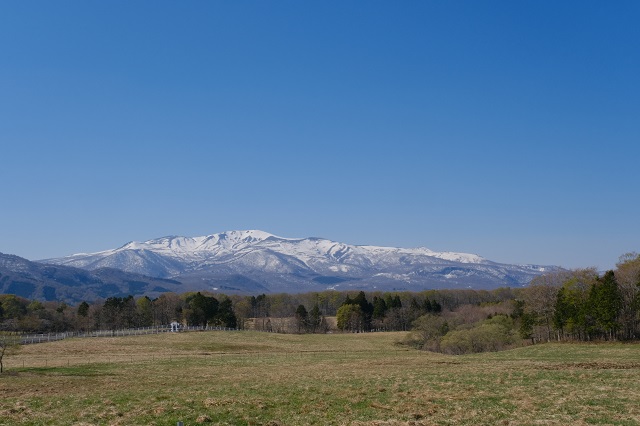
[(255, 261), (44, 282)]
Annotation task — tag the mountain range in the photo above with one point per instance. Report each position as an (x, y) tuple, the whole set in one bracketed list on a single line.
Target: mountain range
[(258, 262), (45, 282)]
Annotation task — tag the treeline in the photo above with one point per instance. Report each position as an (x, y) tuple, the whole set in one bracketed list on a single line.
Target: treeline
[(18, 314), (353, 311), (581, 305), (577, 305), (383, 313), (284, 313)]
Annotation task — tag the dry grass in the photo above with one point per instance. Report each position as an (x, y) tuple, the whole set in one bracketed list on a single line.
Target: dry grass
[(249, 378)]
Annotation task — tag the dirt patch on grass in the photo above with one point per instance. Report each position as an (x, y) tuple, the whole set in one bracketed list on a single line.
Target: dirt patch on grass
[(590, 366), (393, 423)]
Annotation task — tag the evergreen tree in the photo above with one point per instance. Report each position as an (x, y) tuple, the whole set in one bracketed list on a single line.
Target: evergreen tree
[(563, 311), (111, 314), (200, 309), (302, 319), (388, 300), (604, 304), (397, 303), (379, 308), (527, 322), (348, 301), (225, 317), (83, 309), (315, 319), (366, 308)]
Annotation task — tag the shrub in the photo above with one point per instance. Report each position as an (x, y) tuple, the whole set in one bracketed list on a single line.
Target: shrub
[(490, 335)]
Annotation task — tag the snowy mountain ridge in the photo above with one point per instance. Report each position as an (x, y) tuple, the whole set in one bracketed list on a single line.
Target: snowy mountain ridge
[(304, 264)]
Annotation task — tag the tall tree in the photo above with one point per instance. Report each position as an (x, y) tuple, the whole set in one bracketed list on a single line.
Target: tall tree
[(315, 319), (226, 316), (260, 308), (604, 304), (200, 309), (350, 318), (118, 312), (379, 308), (628, 277), (167, 308), (144, 311), (539, 299), (83, 309), (302, 319), (572, 314), (366, 308)]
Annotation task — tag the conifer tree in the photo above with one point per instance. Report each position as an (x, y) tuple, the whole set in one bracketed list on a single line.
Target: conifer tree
[(397, 303), (302, 319), (225, 316), (366, 308), (201, 309), (83, 309), (379, 308), (604, 304), (315, 319), (562, 311)]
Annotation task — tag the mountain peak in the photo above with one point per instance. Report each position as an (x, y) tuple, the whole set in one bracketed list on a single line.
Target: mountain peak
[(248, 235)]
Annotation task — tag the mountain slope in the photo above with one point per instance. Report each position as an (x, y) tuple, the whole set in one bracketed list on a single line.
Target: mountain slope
[(38, 281), (265, 262)]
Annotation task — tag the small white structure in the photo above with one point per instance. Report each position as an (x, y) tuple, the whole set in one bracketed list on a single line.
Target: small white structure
[(175, 327)]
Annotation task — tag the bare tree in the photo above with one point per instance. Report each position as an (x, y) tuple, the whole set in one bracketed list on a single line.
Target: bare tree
[(9, 344), (540, 300), (628, 277), (167, 308)]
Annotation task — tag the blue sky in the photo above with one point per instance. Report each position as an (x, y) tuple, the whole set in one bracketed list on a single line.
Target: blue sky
[(506, 129)]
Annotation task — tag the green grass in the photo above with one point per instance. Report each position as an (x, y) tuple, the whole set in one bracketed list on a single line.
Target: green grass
[(247, 378)]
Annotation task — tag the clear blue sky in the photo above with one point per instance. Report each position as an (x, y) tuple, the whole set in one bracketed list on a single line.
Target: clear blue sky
[(501, 128)]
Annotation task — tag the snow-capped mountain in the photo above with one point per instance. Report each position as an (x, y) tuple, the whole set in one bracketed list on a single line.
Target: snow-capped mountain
[(258, 261)]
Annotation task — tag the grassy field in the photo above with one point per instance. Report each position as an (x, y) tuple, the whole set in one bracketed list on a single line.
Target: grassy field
[(251, 378)]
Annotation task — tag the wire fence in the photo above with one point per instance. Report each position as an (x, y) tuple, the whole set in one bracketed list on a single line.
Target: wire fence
[(28, 339)]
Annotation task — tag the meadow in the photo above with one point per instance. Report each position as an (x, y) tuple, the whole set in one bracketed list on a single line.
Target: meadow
[(253, 378)]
